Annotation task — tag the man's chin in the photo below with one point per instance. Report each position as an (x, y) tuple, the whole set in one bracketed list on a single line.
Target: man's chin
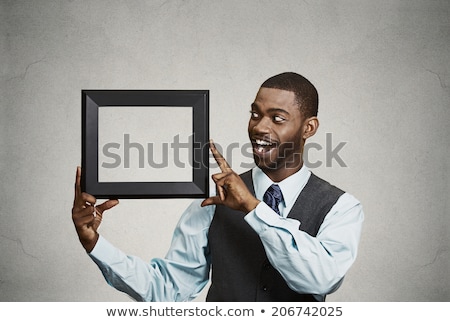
[(271, 165), (265, 164)]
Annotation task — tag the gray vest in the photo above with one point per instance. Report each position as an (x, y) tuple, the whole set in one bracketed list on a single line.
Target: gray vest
[(241, 271)]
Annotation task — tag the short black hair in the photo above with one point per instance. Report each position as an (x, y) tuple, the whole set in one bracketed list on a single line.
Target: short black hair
[(305, 92)]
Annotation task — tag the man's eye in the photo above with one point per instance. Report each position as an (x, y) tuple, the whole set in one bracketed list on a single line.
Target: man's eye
[(278, 118), (254, 115)]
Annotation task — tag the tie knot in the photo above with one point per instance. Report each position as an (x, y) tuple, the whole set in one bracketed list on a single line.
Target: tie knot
[(273, 197), (275, 191)]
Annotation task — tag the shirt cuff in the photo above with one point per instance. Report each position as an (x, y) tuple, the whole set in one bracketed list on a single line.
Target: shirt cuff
[(104, 251), (263, 217)]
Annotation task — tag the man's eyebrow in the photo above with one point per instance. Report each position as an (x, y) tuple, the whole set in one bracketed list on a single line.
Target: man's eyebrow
[(270, 110), (254, 106), (277, 110)]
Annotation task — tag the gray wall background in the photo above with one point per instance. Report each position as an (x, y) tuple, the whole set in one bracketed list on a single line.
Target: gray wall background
[(381, 67)]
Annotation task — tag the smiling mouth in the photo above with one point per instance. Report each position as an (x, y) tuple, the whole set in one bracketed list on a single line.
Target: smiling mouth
[(262, 146)]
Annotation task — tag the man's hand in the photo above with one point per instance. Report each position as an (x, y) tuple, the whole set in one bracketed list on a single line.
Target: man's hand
[(86, 216), (232, 191)]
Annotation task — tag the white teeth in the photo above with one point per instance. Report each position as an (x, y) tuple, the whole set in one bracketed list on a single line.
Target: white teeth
[(262, 145), (261, 142)]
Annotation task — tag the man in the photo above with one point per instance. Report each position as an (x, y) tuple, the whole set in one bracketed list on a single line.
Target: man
[(297, 245)]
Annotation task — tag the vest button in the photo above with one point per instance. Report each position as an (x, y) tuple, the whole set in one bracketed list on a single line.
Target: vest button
[(264, 288)]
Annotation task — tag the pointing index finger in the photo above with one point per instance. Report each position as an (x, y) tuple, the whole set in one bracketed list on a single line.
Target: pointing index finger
[(223, 164), (78, 199), (78, 182)]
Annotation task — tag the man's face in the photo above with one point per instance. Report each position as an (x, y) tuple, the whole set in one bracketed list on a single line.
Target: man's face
[(275, 131)]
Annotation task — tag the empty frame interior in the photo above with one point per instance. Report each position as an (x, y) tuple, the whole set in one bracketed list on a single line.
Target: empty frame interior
[(145, 144)]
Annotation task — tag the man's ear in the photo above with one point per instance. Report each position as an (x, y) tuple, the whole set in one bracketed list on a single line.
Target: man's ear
[(310, 127)]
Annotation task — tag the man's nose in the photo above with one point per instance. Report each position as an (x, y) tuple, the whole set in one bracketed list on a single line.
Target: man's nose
[(262, 126)]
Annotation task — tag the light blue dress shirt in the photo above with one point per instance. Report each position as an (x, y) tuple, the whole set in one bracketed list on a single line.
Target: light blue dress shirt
[(312, 265)]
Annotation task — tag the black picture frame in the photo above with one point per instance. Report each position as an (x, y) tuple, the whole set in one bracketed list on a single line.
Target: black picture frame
[(92, 100)]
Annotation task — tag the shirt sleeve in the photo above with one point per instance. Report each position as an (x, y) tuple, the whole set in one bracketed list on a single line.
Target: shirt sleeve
[(311, 265), (180, 276)]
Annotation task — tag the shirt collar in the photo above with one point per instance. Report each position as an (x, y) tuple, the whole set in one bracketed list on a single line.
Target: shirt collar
[(290, 187)]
